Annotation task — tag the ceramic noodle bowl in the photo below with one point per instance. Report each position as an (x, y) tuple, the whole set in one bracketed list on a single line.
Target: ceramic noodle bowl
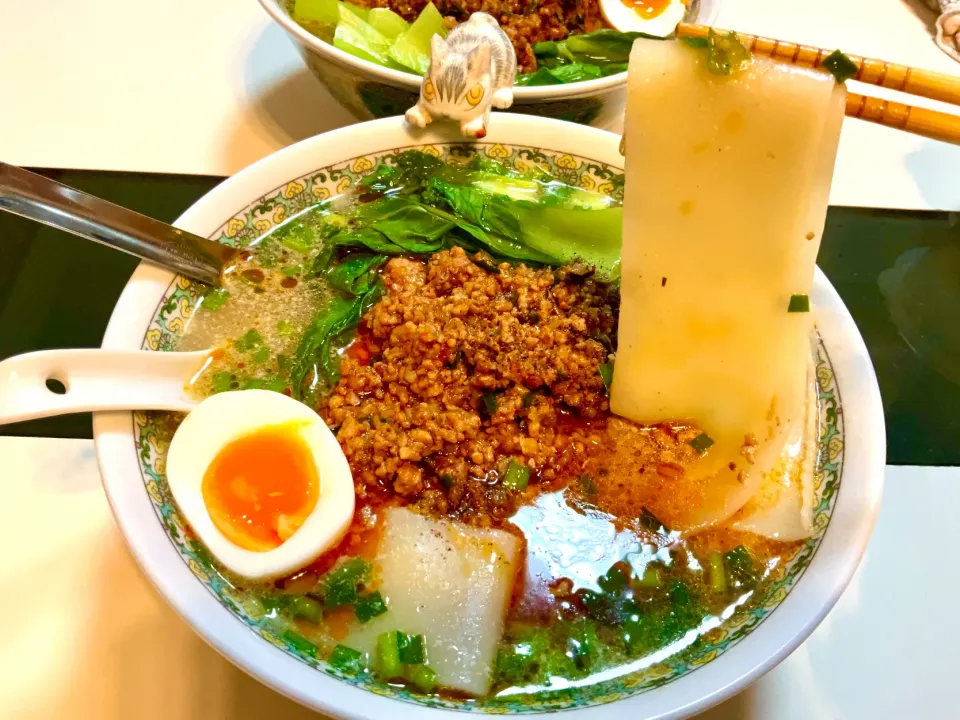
[(156, 307)]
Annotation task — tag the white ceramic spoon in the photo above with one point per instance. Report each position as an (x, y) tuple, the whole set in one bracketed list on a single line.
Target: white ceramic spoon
[(96, 380)]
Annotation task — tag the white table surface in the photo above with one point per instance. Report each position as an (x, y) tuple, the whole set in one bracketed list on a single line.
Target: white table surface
[(181, 86), (85, 636)]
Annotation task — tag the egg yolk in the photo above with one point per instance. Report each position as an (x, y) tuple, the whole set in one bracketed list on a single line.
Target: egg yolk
[(648, 9), (260, 488)]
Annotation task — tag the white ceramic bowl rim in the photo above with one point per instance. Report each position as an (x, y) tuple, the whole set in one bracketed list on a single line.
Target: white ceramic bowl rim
[(412, 82), (782, 631)]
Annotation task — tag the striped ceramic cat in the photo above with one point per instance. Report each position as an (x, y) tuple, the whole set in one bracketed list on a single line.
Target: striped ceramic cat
[(470, 72)]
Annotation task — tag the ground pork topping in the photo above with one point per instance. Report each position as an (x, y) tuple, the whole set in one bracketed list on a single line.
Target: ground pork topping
[(462, 370)]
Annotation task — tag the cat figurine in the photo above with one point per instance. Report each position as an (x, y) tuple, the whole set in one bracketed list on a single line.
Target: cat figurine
[(470, 71)]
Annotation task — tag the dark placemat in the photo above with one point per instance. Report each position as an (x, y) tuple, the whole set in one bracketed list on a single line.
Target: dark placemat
[(898, 272)]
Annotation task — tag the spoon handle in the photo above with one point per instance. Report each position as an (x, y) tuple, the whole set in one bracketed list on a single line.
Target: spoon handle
[(39, 198), (59, 382)]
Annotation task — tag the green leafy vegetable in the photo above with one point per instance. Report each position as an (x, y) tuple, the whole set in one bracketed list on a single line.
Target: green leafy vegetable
[(799, 304), (215, 299), (340, 585), (388, 655), (583, 644), (332, 327), (410, 649), (562, 74), (516, 477), (840, 66), (357, 274), (322, 12), (261, 355), (370, 606), (248, 341), (286, 328), (387, 22), (696, 42), (297, 237), (411, 50), (356, 36), (424, 678), (725, 53), (346, 659), (701, 443)]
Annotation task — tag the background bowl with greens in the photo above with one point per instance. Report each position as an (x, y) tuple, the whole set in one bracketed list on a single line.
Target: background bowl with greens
[(372, 60)]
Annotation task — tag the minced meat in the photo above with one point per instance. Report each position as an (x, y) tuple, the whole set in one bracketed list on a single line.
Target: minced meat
[(459, 370)]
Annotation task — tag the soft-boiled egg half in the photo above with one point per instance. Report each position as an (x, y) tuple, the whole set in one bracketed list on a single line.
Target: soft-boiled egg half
[(262, 481), (654, 17)]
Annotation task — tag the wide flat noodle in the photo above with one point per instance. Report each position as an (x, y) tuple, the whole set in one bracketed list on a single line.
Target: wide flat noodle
[(782, 508), (727, 180)]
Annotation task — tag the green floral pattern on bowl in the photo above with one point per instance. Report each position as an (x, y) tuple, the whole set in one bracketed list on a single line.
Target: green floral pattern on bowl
[(153, 432)]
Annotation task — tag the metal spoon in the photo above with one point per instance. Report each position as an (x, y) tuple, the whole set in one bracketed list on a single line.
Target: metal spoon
[(38, 198), (58, 382)]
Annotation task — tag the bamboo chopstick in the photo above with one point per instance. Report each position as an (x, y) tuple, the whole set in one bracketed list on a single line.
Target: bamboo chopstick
[(900, 116), (915, 81), (919, 121)]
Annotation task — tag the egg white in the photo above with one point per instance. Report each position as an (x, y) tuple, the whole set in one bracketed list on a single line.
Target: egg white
[(223, 418), (626, 19)]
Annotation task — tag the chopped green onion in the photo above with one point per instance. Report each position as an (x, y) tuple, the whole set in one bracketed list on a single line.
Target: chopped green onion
[(221, 382), (340, 584), (388, 655), (614, 580), (649, 521), (410, 649), (299, 643), (346, 659), (840, 66), (293, 270), (261, 355), (701, 443), (248, 341), (370, 606), (650, 578), (446, 481), (489, 400), (588, 485), (725, 53), (696, 42), (583, 644), (307, 609), (741, 566), (529, 399), (424, 678), (516, 477), (606, 374), (718, 576), (215, 299), (286, 328), (799, 304)]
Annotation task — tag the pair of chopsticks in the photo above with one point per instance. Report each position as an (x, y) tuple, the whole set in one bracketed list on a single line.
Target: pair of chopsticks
[(926, 83)]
